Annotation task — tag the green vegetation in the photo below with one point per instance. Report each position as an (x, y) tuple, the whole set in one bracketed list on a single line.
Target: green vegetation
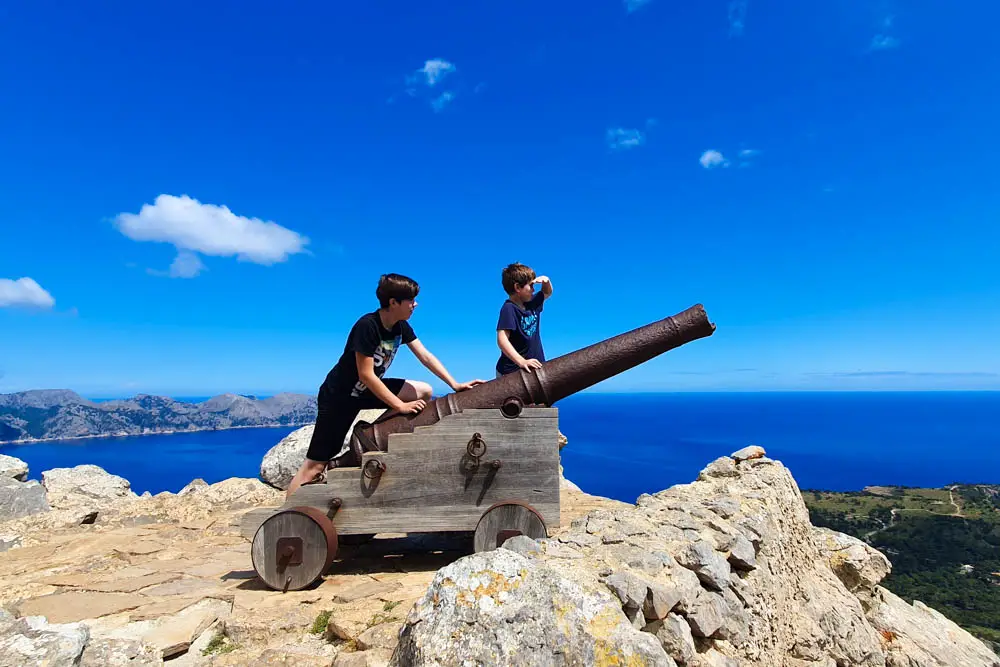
[(322, 620), (944, 544), (219, 644)]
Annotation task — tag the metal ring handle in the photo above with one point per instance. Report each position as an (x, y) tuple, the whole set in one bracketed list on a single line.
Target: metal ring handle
[(377, 465), (476, 447)]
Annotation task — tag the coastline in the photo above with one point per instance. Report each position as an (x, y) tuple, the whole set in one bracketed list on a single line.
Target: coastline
[(30, 441)]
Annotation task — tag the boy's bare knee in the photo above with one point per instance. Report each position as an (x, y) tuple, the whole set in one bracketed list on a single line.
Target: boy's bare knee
[(424, 391)]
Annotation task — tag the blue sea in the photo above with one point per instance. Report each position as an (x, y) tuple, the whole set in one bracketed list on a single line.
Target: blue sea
[(623, 445)]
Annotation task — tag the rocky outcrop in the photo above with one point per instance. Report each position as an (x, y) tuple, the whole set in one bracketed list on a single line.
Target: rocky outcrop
[(727, 570), (13, 468), (18, 499), (284, 459), (502, 608), (32, 641)]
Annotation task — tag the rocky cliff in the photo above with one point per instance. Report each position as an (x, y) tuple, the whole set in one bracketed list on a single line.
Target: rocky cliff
[(724, 571), (62, 414)]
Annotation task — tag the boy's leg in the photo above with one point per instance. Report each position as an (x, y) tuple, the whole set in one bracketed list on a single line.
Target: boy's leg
[(406, 390), (327, 439)]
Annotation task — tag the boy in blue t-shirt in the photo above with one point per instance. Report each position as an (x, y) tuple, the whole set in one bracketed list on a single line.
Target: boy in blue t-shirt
[(519, 335)]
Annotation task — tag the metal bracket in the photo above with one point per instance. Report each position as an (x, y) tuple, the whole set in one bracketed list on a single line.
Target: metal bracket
[(288, 551)]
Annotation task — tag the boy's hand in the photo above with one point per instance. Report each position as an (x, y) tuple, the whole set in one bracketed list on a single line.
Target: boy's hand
[(412, 407), (462, 386), (530, 364), (540, 280)]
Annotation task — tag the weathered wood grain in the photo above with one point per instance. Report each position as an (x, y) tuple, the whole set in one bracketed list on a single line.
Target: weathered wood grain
[(431, 484), (264, 552), (502, 522)]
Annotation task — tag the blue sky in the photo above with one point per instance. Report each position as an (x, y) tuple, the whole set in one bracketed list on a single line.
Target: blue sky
[(821, 176)]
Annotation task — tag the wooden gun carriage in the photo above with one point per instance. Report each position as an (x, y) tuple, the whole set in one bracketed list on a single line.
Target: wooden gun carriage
[(484, 461)]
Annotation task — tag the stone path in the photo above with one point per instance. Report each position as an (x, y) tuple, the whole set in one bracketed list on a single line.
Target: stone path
[(187, 588)]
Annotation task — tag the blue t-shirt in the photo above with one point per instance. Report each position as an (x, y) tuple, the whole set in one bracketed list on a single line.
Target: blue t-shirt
[(524, 325)]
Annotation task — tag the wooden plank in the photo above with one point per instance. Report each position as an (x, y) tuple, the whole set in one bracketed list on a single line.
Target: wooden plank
[(428, 485), (432, 519)]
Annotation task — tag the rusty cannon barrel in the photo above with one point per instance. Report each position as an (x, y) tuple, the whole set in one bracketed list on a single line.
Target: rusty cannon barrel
[(555, 380)]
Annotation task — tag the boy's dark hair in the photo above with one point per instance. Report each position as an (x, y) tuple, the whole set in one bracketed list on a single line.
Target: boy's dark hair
[(516, 274), (395, 286)]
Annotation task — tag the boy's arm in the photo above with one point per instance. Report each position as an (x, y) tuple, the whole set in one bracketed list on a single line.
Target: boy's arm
[(546, 285), (503, 341), (366, 373), (431, 362)]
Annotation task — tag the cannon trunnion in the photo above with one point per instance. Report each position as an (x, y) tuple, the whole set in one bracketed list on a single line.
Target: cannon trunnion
[(485, 461)]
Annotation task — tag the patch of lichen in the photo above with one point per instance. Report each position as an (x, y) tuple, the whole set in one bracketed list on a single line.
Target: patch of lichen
[(495, 585)]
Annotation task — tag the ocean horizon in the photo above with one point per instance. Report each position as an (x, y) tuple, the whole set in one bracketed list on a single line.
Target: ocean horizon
[(622, 445)]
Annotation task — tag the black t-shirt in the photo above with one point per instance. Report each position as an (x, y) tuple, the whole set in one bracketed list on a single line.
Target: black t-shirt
[(370, 338), (524, 325)]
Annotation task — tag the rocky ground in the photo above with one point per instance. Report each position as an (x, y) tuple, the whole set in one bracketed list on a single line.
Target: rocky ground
[(724, 571)]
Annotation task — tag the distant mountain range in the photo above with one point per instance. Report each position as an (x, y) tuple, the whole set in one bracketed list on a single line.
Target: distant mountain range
[(60, 414)]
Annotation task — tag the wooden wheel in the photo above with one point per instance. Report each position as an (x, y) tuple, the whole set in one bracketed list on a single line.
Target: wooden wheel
[(505, 520), (293, 548)]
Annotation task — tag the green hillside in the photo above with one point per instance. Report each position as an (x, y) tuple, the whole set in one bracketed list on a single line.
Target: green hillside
[(944, 544)]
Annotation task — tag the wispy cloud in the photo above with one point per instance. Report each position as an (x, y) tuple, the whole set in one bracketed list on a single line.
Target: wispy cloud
[(737, 17), (633, 5), (883, 43), (435, 70), (884, 40), (24, 292), (440, 102), (619, 138), (711, 159), (192, 227), (421, 84)]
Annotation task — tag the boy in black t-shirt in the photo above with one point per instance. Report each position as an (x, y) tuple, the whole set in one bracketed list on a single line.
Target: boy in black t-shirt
[(356, 383), (519, 334)]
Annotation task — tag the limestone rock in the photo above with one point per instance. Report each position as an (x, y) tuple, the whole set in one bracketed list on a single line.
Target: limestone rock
[(523, 545), (14, 468), (105, 652), (918, 636), (19, 499), (84, 489), (33, 641), (710, 566), (284, 459), (674, 635), (194, 486), (499, 607), (748, 453), (858, 565), (9, 541), (721, 467)]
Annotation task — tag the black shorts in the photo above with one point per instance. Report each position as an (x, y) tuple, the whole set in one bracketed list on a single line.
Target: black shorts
[(333, 419)]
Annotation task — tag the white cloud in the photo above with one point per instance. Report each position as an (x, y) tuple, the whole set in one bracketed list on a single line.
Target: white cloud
[(24, 292), (632, 5), (186, 265), (748, 152), (884, 42), (712, 158), (439, 103), (193, 227), (737, 17), (435, 70), (621, 138)]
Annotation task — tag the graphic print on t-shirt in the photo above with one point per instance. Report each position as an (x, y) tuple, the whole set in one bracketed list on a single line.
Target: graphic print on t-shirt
[(384, 354), (529, 322)]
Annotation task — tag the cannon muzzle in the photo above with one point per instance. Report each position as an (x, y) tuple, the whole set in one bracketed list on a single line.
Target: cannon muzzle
[(556, 379)]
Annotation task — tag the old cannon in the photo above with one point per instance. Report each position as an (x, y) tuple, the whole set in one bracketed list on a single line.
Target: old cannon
[(484, 461)]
